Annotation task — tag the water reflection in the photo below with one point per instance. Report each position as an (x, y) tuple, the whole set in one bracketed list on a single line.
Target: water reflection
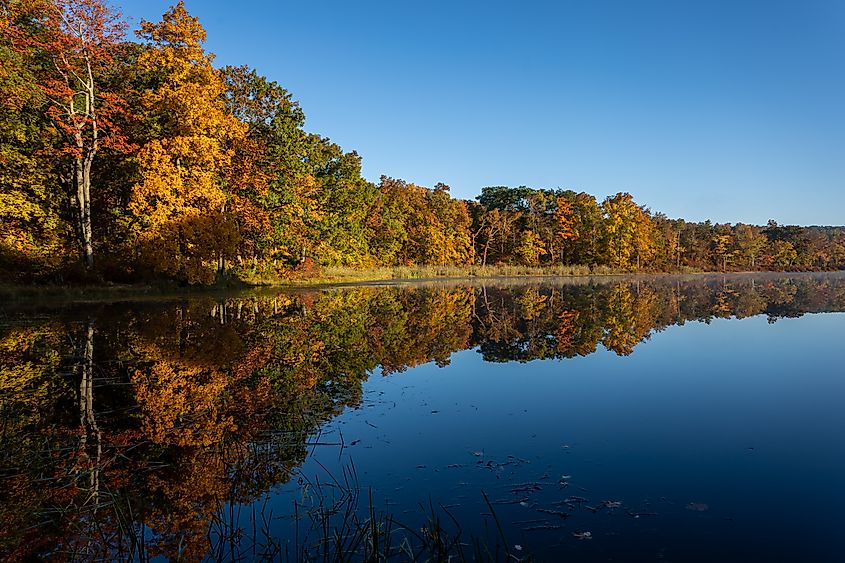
[(129, 430)]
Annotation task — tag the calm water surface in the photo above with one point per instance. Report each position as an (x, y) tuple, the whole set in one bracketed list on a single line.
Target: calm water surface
[(644, 419)]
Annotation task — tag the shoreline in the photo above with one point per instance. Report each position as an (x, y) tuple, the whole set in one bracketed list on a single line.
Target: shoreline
[(97, 293)]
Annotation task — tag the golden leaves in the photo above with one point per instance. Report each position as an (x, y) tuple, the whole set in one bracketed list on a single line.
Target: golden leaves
[(531, 247), (628, 231), (181, 222), (181, 405)]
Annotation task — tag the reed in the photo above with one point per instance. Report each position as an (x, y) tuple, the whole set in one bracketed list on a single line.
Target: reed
[(340, 275), (338, 523)]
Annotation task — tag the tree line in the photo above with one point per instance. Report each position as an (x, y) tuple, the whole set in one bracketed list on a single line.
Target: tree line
[(130, 160)]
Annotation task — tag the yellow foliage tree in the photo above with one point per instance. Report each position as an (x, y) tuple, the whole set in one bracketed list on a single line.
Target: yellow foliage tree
[(531, 248), (180, 204), (628, 230), (644, 245)]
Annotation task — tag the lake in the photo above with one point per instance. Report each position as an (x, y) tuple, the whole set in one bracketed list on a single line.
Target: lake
[(693, 418)]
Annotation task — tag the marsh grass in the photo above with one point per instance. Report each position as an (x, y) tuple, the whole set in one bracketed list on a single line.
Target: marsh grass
[(336, 521), (338, 275), (105, 292)]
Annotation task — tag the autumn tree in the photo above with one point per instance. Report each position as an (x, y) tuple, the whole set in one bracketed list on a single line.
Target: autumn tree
[(530, 248), (77, 40), (31, 227), (452, 221), (181, 204), (789, 246), (782, 255), (749, 243), (487, 226), (279, 170), (564, 224), (295, 195), (667, 242), (507, 207), (695, 239), (413, 225), (588, 229), (257, 103), (538, 218), (644, 243), (627, 230)]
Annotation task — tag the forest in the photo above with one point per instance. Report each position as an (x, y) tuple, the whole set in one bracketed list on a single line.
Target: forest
[(135, 159)]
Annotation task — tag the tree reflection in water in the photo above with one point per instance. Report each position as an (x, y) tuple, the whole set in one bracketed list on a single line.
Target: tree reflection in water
[(128, 429)]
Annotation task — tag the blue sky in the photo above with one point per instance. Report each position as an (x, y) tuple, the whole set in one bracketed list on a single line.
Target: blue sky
[(723, 109)]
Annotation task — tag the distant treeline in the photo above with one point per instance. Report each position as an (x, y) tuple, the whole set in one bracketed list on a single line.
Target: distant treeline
[(130, 161)]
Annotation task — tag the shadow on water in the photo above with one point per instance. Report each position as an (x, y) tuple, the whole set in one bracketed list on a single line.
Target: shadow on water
[(144, 430)]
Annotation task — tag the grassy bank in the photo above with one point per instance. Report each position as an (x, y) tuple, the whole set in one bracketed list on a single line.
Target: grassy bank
[(357, 275), (325, 276)]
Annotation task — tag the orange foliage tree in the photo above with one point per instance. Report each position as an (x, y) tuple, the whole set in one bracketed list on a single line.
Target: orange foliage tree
[(564, 223), (180, 206)]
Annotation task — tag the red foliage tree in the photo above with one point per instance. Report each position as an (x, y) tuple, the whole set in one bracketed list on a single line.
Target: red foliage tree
[(76, 41)]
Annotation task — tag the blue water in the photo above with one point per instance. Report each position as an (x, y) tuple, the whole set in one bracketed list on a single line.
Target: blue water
[(725, 436)]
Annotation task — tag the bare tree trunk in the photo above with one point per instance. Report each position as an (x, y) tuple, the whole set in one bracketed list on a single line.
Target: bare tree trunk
[(86, 152), (79, 181), (221, 257), (88, 422), (82, 179), (678, 247), (486, 248), (86, 389), (85, 214), (82, 114)]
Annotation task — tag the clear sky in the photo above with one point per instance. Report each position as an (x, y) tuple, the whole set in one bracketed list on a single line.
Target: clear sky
[(730, 110)]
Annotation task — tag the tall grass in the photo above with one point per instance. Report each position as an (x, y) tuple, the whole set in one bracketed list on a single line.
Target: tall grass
[(334, 524), (354, 275)]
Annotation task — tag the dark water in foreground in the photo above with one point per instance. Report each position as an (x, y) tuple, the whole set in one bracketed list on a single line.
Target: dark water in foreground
[(654, 419)]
